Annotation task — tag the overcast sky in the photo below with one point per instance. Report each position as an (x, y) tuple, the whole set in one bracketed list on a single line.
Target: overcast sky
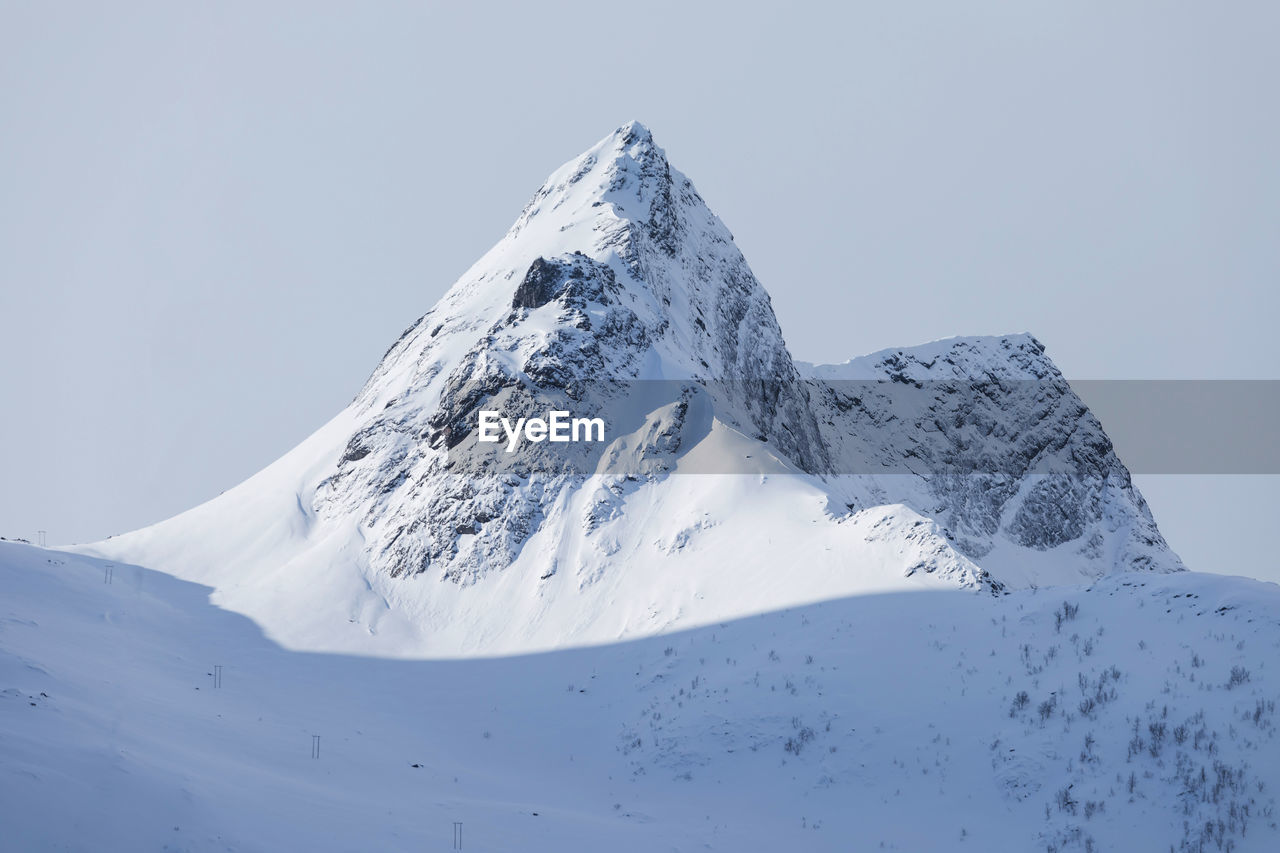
[(214, 218)]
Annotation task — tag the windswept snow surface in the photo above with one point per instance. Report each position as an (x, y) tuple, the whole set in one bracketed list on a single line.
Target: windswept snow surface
[(881, 721), (700, 549)]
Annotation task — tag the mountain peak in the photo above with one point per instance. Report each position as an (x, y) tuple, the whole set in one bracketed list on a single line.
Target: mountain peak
[(633, 141), (633, 132), (619, 178)]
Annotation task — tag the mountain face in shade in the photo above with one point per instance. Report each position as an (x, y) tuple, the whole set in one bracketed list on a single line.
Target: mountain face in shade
[(1000, 450), (731, 479)]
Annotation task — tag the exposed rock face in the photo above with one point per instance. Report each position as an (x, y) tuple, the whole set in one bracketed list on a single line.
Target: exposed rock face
[(617, 292), (999, 447)]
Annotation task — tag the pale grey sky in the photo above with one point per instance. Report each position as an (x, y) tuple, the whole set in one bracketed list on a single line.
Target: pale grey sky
[(214, 218)]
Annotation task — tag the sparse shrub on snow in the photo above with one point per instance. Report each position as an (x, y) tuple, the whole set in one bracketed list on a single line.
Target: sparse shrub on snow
[(1239, 675)]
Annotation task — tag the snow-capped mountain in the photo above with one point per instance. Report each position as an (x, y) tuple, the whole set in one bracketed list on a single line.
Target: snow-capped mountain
[(731, 481), (807, 562)]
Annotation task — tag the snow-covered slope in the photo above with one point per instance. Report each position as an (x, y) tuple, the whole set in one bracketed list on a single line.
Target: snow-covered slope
[(729, 484), (1136, 714)]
